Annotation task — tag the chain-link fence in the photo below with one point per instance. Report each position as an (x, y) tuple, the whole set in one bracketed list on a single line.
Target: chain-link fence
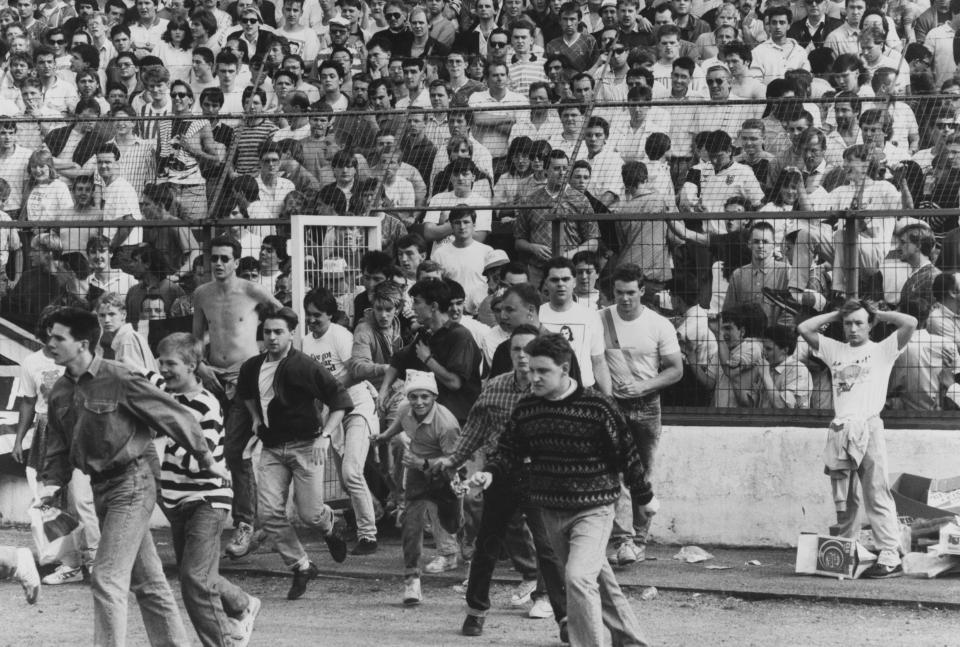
[(671, 185)]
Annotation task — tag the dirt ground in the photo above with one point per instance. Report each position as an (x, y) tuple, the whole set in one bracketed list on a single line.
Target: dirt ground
[(354, 612)]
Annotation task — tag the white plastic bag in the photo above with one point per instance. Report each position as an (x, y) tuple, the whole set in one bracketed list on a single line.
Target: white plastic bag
[(48, 552)]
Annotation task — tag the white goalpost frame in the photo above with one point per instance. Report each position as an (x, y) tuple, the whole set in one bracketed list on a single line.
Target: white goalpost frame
[(298, 239)]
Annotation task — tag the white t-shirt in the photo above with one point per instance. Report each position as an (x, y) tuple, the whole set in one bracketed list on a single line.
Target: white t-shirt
[(859, 374), (643, 343), (267, 372), (38, 374), (332, 351), (450, 199), (583, 330), (606, 172), (465, 266)]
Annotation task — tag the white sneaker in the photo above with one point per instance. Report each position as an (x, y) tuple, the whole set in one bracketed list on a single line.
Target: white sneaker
[(521, 594), (627, 553), (541, 609), (442, 564), (411, 592), (64, 575), (27, 575), (246, 621)]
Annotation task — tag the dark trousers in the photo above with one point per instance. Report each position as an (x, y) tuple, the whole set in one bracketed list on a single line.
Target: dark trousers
[(501, 503)]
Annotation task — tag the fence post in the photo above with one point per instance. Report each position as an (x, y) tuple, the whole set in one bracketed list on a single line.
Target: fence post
[(852, 270), (206, 235), (555, 242)]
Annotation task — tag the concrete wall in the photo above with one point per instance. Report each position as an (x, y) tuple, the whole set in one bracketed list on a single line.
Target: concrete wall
[(749, 486), (763, 486)]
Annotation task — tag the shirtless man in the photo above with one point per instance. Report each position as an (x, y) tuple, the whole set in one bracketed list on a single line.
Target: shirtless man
[(226, 308)]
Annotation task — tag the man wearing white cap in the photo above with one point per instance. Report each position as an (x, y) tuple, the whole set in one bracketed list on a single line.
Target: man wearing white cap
[(432, 432)]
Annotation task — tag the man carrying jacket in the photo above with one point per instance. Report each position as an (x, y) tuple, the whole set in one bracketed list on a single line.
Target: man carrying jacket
[(281, 389)]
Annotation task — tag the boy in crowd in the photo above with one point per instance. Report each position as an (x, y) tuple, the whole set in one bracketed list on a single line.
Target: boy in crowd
[(784, 382), (586, 269), (432, 431), (196, 503)]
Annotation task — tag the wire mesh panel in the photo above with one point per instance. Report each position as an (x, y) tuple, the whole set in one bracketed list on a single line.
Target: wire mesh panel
[(329, 250)]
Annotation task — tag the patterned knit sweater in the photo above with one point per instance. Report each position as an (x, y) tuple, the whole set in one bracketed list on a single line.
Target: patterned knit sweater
[(574, 450)]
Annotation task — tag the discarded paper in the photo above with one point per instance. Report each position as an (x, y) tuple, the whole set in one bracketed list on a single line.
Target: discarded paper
[(692, 555)]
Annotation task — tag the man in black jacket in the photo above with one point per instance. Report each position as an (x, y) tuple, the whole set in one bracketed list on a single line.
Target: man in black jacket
[(281, 389)]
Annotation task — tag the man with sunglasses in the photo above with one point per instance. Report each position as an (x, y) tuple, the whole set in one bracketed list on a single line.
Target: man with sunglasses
[(498, 47), (396, 37), (227, 308), (184, 144)]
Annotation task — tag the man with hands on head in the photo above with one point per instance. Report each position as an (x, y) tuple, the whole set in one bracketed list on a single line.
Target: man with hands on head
[(856, 449)]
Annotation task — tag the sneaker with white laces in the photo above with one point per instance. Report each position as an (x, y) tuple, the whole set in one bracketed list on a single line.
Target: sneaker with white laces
[(411, 592), (442, 564), (240, 543), (26, 573), (64, 575), (244, 623), (521, 594), (541, 609)]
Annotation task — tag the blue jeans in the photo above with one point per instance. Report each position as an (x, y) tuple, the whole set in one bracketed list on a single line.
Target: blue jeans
[(502, 508), (209, 597), (643, 419), (127, 561), (281, 466), (237, 432), (85, 539), (594, 598), (418, 511)]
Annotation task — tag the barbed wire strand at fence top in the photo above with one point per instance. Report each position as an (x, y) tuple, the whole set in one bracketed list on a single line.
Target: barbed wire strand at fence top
[(659, 103)]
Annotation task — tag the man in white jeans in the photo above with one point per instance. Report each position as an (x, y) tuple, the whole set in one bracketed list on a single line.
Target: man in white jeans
[(860, 370), (331, 344)]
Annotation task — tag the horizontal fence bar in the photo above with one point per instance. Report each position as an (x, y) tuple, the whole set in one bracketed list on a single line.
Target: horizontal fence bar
[(599, 217), (665, 103)]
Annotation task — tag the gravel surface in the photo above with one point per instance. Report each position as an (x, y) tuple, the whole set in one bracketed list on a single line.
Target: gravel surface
[(351, 612)]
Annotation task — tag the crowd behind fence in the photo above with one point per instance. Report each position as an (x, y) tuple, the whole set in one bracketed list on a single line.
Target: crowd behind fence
[(860, 194)]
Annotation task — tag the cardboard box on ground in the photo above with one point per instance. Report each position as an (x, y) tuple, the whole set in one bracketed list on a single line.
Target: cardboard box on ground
[(840, 557), (930, 505)]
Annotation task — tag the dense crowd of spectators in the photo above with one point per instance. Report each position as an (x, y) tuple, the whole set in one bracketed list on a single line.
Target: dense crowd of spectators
[(261, 110)]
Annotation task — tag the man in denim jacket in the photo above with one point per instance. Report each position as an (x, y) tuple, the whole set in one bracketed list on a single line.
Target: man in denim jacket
[(103, 418)]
